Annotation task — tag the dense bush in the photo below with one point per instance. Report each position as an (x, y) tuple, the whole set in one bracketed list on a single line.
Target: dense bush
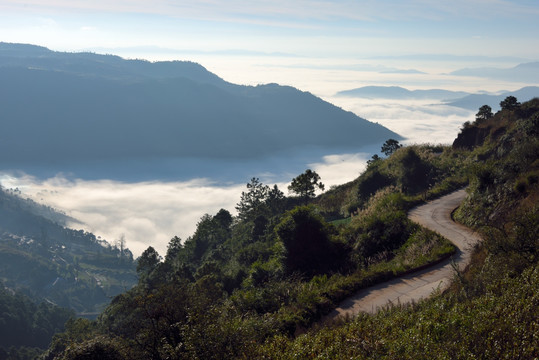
[(307, 244), (25, 323)]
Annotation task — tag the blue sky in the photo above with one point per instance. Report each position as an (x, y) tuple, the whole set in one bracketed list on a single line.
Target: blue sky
[(306, 28)]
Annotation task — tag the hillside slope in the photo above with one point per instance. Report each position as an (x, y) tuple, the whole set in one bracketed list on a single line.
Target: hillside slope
[(49, 262), (436, 216), (62, 108), (490, 310), (250, 287)]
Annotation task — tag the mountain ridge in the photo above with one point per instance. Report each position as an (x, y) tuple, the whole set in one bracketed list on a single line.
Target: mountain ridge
[(524, 72), (461, 99), (101, 65), (60, 109), (398, 92), (474, 101)]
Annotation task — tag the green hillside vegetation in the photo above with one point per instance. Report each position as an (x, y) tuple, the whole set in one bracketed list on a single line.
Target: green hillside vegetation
[(491, 310), (26, 328), (252, 286), (47, 261)]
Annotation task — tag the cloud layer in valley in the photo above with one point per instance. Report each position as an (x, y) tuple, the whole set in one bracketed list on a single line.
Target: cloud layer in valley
[(152, 212), (147, 213), (417, 121)]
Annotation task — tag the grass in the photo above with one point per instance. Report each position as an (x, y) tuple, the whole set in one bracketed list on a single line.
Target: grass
[(340, 222), (319, 296)]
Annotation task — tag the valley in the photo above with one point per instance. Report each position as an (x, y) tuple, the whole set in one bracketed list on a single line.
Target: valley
[(261, 277), (269, 180)]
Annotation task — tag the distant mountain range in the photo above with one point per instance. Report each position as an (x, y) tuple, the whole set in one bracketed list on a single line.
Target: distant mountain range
[(474, 101), (453, 98), (400, 93), (526, 73), (454, 58), (82, 107)]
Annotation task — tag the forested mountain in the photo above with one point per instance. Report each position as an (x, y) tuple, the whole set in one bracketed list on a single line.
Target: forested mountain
[(60, 108), (49, 262), (27, 327), (252, 286)]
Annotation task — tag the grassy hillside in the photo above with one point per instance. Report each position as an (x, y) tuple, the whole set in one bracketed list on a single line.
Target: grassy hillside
[(252, 286), (490, 312)]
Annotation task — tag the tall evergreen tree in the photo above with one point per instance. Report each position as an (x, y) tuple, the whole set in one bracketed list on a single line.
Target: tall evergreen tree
[(305, 184)]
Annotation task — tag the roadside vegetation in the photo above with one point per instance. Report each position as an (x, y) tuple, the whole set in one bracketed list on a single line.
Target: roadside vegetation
[(491, 309), (252, 285)]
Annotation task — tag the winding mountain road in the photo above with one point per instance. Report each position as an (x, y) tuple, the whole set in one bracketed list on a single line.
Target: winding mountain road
[(436, 216)]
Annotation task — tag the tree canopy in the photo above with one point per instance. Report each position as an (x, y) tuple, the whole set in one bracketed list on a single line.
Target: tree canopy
[(259, 199), (148, 261), (306, 184), (306, 239), (484, 113), (390, 146), (509, 103), (252, 199), (26, 323)]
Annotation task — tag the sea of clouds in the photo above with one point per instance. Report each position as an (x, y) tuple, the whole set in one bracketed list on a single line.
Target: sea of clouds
[(150, 213)]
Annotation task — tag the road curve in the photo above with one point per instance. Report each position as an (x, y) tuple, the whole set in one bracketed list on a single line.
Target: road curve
[(436, 216)]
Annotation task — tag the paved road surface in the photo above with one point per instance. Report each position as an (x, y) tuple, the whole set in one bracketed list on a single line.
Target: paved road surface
[(435, 215)]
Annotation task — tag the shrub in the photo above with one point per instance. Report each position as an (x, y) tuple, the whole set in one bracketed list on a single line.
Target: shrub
[(307, 245)]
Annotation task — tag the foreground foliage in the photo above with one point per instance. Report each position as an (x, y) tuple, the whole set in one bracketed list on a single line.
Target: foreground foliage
[(26, 328), (499, 323), (491, 310), (248, 287)]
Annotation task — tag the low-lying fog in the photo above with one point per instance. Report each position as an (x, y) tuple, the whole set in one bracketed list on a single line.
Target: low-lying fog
[(152, 212)]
